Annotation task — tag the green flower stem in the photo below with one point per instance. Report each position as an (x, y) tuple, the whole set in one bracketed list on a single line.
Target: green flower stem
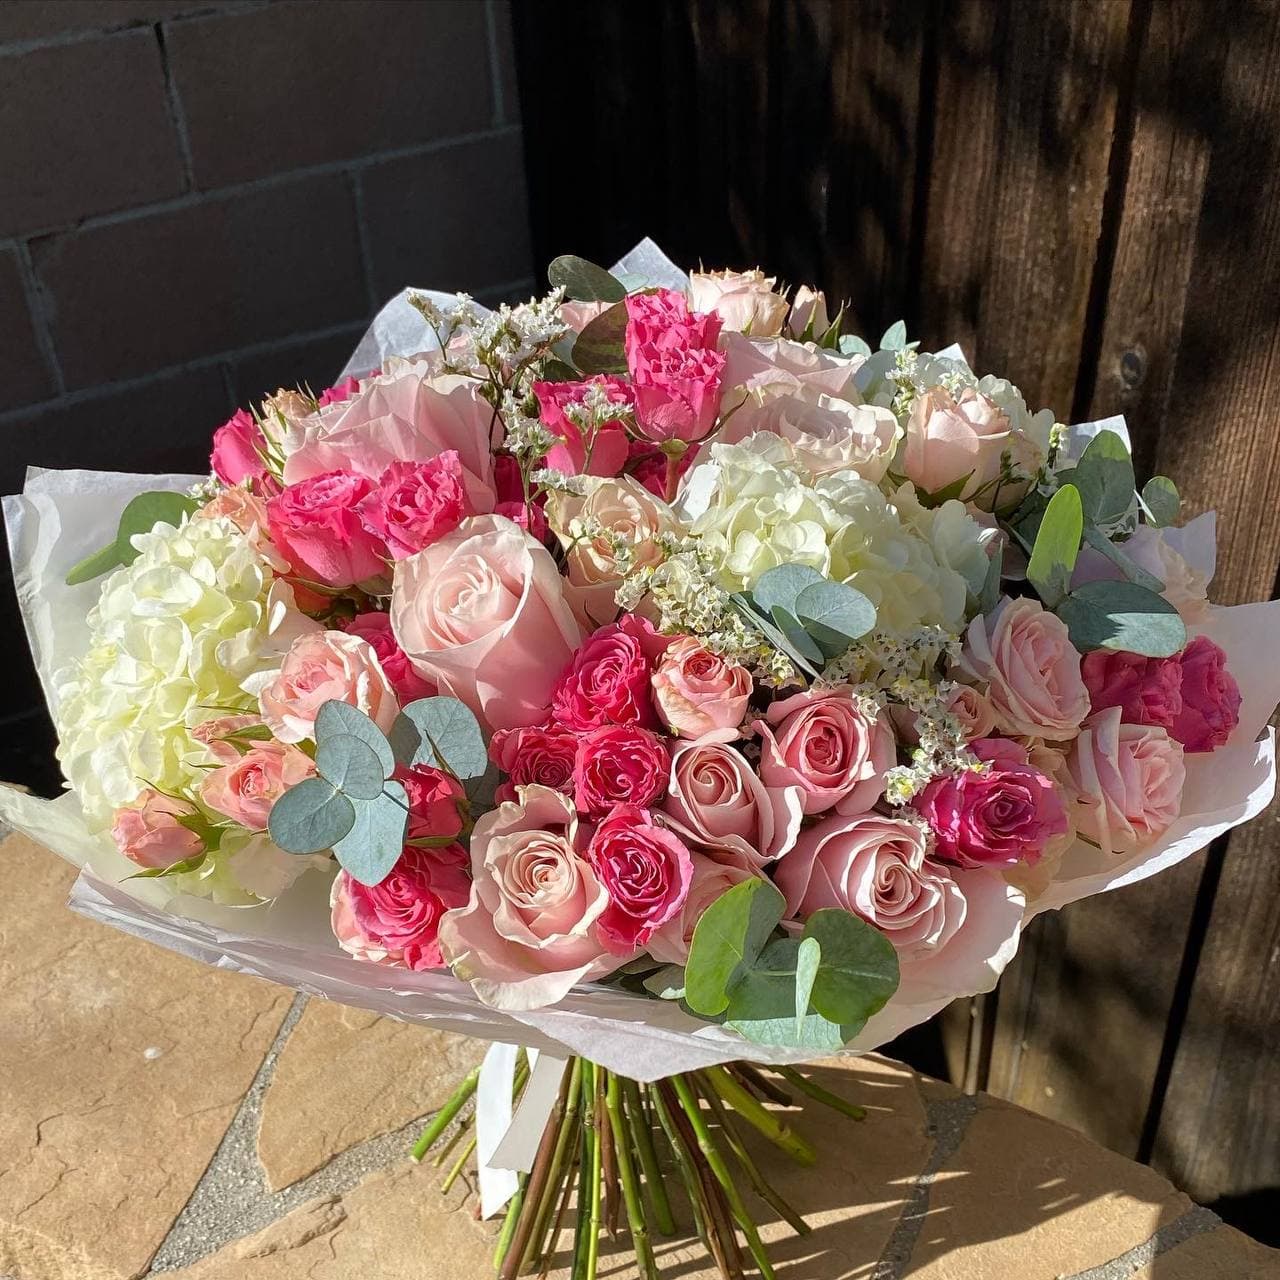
[(825, 1096), (444, 1117), (568, 1127), (608, 1159), (757, 1179), (568, 1182), (627, 1176), (754, 1113), (509, 1223), (452, 1176), (757, 1080), (591, 1205), (715, 1160), (684, 1163), (642, 1138), (443, 1154)]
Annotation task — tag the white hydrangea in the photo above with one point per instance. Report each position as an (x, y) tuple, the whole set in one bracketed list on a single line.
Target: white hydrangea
[(172, 638)]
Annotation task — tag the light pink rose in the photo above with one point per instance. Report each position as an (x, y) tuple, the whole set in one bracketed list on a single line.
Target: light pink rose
[(746, 301), (645, 870), (717, 802), (697, 691), (711, 881), (245, 790), (320, 667), (415, 504), (412, 414), (237, 450), (375, 627), (1023, 653), (603, 455), (577, 315), (1210, 709), (216, 734), (875, 867), (757, 370), (619, 764), (244, 508), (808, 314), (529, 931), (148, 831), (482, 614), (1186, 584), (1126, 780), (973, 710), (825, 744), (316, 525), (396, 922)]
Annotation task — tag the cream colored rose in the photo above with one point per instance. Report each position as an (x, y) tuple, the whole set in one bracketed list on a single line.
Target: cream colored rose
[(808, 313), (744, 300)]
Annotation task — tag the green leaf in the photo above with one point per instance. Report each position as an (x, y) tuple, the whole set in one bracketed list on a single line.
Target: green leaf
[(599, 347), (814, 1033), (727, 941), (192, 863), (583, 281), (1122, 615), (771, 633), (310, 817), (990, 596), (667, 983), (858, 970), (557, 371), (443, 733), (798, 638), (1104, 476), (376, 839), (1121, 559), (834, 614), (141, 515), (780, 586), (95, 566), (895, 337), (1057, 545), (335, 717), (852, 345), (1162, 501), (480, 789), (808, 958), (351, 765)]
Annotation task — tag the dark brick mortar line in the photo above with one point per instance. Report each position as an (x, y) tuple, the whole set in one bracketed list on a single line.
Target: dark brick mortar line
[(1192, 1223), (362, 239), (495, 63), (282, 178), (38, 311), (177, 114)]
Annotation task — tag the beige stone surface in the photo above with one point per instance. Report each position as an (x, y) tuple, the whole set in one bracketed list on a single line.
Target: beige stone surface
[(1222, 1254), (1024, 1197), (121, 1066), (346, 1075)]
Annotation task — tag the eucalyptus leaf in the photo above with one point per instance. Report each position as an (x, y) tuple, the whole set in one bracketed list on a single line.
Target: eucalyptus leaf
[(990, 596), (781, 585), (858, 970), (310, 817), (1104, 476), (1121, 559), (895, 337), (800, 640), (1160, 496), (727, 941), (1057, 544), (599, 347), (583, 281), (351, 765), (852, 345), (771, 633), (1123, 616), (376, 839), (834, 614), (808, 958), (814, 1032), (442, 733), (335, 717)]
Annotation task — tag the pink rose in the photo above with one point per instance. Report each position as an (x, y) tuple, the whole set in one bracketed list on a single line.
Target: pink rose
[(375, 628), (541, 754), (674, 366), (1174, 555), (1210, 698), (1147, 690), (397, 921), (482, 613), (717, 801), (217, 735), (530, 514), (577, 315), (619, 764), (238, 448), (433, 798), (825, 744), (808, 314), (416, 504), (745, 301), (316, 526), (646, 871), (320, 667), (607, 681), (245, 790), (997, 816), (1126, 781), (339, 392), (608, 450), (649, 467), (1032, 671), (148, 831), (528, 932), (756, 372), (710, 882), (875, 867), (244, 508), (973, 711), (698, 691)]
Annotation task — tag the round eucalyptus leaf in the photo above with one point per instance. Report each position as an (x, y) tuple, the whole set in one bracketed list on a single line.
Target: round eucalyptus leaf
[(857, 971), (310, 817), (336, 717), (1122, 615), (351, 765), (834, 614), (376, 839)]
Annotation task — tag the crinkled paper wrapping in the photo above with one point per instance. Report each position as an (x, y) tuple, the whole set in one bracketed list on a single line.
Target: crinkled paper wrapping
[(63, 516)]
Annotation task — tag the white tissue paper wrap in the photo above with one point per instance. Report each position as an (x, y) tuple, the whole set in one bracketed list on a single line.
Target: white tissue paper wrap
[(63, 516)]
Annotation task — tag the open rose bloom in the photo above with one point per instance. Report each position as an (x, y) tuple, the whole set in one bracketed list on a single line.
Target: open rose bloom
[(467, 691)]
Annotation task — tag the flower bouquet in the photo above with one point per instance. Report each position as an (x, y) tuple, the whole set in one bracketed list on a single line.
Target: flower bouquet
[(652, 676)]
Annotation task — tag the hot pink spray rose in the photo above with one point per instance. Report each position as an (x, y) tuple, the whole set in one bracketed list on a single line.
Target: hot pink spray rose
[(875, 867), (482, 613), (245, 790), (674, 366), (619, 764), (1127, 781), (1210, 698), (340, 391), (645, 870), (607, 681), (710, 882), (396, 922), (997, 816), (1031, 669), (529, 930), (148, 832), (827, 745), (433, 798), (576, 455), (320, 667), (317, 527), (375, 628), (237, 449), (542, 754), (416, 504), (698, 691), (717, 802)]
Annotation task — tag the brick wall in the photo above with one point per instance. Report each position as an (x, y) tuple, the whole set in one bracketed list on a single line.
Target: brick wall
[(202, 201)]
